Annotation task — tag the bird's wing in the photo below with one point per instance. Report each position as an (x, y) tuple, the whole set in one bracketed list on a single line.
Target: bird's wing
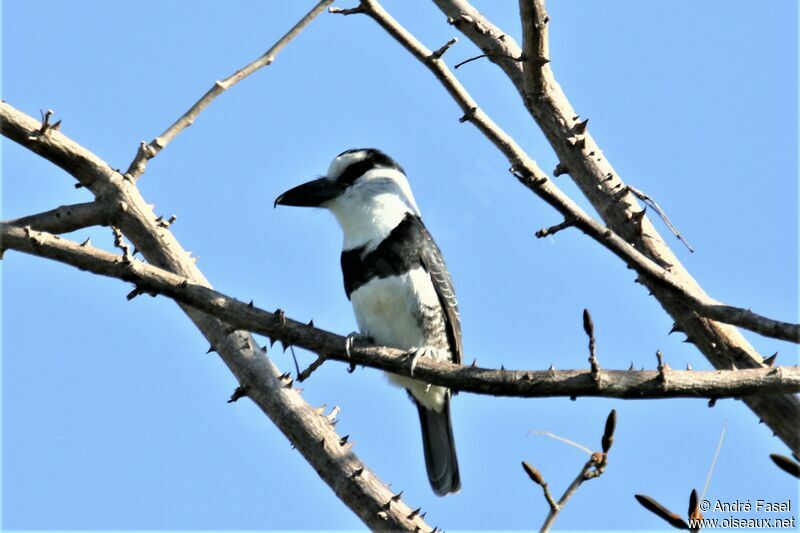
[(409, 245), (433, 263)]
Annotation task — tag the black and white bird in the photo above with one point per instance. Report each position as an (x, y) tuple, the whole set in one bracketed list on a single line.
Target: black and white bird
[(396, 279)]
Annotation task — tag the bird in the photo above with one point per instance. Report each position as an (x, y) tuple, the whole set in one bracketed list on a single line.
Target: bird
[(396, 279)]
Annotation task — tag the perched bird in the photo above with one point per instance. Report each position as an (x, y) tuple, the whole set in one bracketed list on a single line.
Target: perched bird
[(397, 281)]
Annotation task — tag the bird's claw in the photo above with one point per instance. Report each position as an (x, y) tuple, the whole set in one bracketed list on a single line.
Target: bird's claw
[(348, 345), (416, 353)]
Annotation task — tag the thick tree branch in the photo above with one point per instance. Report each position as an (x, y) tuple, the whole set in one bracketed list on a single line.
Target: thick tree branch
[(67, 218), (544, 99), (521, 383), (724, 346), (149, 150), (310, 433), (530, 175)]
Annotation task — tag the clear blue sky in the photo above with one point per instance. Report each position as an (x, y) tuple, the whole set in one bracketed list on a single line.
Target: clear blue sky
[(113, 417)]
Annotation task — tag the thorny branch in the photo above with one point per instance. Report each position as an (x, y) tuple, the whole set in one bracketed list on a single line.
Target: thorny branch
[(273, 394), (312, 434), (149, 150), (547, 104), (522, 383), (530, 175), (659, 270)]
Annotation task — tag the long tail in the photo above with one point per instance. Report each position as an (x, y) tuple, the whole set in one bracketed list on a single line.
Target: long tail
[(440, 449)]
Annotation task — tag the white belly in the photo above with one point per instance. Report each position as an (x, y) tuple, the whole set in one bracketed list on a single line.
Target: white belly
[(387, 309)]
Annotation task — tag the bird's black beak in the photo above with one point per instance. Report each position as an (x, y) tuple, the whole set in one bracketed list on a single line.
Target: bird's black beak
[(311, 194)]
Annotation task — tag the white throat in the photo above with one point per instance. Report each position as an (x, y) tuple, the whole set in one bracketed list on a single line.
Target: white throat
[(372, 207), (368, 222)]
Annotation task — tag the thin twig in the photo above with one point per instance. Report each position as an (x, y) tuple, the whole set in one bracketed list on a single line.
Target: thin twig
[(583, 475), (148, 151), (552, 230), (593, 468), (652, 203), (471, 59), (537, 478), (437, 54), (714, 460), (562, 439)]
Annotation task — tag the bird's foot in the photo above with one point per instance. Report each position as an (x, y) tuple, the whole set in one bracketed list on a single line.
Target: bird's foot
[(424, 351), (352, 338)]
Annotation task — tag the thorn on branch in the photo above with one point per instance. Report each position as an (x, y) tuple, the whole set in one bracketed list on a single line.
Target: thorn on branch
[(577, 141), (552, 230), (468, 115), (636, 219), (87, 242), (238, 393), (436, 55), (560, 170), (160, 222), (211, 349), (676, 328), (580, 128), (770, 361)]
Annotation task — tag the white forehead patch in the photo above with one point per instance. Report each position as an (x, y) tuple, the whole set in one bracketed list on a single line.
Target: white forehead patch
[(339, 164)]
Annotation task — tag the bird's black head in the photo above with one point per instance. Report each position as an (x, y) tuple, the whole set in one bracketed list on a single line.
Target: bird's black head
[(344, 171)]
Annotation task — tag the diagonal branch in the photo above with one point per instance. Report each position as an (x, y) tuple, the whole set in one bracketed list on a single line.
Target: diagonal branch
[(530, 175), (679, 293), (521, 383), (149, 150), (67, 218), (544, 99), (311, 434)]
